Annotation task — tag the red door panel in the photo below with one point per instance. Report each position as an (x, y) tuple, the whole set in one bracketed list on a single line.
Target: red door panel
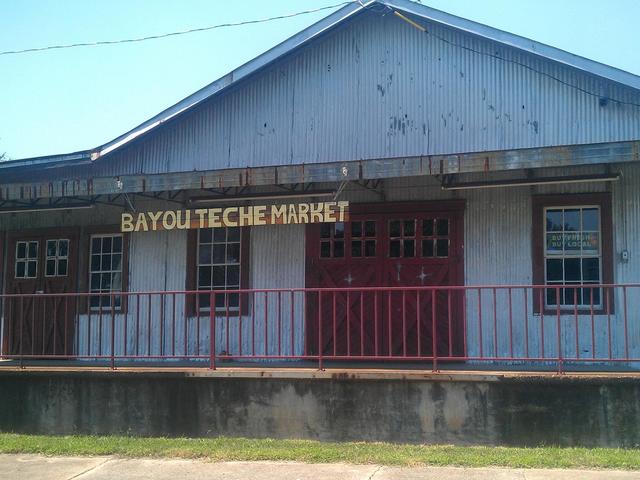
[(40, 264), (386, 245)]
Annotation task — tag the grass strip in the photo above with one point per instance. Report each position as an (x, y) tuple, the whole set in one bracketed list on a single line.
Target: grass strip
[(244, 449)]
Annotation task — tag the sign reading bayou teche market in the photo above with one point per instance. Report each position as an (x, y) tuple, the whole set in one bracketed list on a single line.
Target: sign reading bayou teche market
[(245, 216)]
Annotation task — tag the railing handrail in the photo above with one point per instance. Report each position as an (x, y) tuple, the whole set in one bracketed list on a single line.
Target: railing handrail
[(328, 289)]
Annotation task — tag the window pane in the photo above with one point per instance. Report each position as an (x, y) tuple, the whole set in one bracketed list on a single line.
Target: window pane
[(117, 244), (21, 269), (370, 228), (32, 268), (233, 275), (555, 242), (427, 227), (427, 248), (218, 253), (370, 248), (590, 296), (443, 227), (233, 253), (116, 262), (106, 244), (218, 276), (356, 229), (409, 248), (394, 228), (52, 249), (442, 247), (409, 228), (591, 269), (204, 277), (356, 248), (338, 248), (551, 296), (572, 220), (33, 249), (95, 263), (116, 282), (219, 235), (233, 300), (590, 243), (105, 282), (233, 234), (572, 243), (554, 270), (105, 263), (394, 248), (339, 230), (95, 282), (325, 230), (554, 220), (96, 245), (590, 219), (205, 235), (204, 255), (325, 249), (21, 250), (50, 268), (572, 270), (63, 248)]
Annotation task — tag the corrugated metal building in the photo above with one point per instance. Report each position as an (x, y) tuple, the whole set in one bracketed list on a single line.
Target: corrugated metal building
[(494, 208)]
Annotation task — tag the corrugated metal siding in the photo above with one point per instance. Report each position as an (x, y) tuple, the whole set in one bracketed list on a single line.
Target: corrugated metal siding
[(379, 88)]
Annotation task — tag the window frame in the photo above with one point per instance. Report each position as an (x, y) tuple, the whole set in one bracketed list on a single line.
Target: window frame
[(192, 274), (57, 257), (540, 203), (85, 258)]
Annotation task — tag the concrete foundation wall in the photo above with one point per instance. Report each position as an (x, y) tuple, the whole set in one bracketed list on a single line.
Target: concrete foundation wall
[(506, 411)]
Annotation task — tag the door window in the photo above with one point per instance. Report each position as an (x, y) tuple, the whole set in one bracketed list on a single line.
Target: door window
[(57, 258), (26, 259)]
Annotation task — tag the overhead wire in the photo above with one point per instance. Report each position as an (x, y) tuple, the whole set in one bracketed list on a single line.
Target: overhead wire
[(172, 34)]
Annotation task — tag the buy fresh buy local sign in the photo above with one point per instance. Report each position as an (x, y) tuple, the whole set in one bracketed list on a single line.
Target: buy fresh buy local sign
[(245, 216)]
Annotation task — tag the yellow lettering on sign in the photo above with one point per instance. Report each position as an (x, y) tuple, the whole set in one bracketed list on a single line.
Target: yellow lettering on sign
[(316, 213), (226, 221), (328, 212), (126, 223), (343, 207), (258, 215), (245, 216), (278, 212), (169, 220), (154, 219), (303, 210), (141, 223), (214, 217), (201, 213), (187, 219)]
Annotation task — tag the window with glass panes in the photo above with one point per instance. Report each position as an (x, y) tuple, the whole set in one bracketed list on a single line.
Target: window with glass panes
[(218, 264), (105, 270), (57, 258), (573, 255), (26, 260)]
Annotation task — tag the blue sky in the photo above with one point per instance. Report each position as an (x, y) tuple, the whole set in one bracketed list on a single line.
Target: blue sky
[(66, 100)]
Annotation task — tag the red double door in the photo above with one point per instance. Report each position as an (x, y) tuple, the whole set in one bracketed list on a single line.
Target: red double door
[(40, 263), (387, 245)]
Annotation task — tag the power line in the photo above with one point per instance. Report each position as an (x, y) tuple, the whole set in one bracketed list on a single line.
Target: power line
[(171, 34)]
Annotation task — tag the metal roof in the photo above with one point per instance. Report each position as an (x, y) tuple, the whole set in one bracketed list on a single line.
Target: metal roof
[(343, 14)]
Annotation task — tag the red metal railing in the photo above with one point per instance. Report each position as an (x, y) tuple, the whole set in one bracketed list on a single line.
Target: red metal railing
[(510, 325)]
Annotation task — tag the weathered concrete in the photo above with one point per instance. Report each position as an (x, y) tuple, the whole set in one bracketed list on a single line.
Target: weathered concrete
[(509, 411), (27, 467)]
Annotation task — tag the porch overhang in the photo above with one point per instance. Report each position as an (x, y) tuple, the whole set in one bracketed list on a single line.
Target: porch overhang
[(69, 185)]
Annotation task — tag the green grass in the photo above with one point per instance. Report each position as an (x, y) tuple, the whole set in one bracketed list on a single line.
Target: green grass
[(229, 449)]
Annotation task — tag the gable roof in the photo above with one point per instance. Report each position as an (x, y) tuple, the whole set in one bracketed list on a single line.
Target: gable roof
[(331, 21)]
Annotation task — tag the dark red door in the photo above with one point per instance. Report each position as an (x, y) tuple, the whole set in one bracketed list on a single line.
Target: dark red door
[(387, 245), (41, 264)]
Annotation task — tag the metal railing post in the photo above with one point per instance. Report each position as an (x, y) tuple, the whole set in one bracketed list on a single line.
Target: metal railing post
[(212, 330)]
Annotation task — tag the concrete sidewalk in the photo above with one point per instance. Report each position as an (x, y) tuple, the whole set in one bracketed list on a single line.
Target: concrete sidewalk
[(22, 467)]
